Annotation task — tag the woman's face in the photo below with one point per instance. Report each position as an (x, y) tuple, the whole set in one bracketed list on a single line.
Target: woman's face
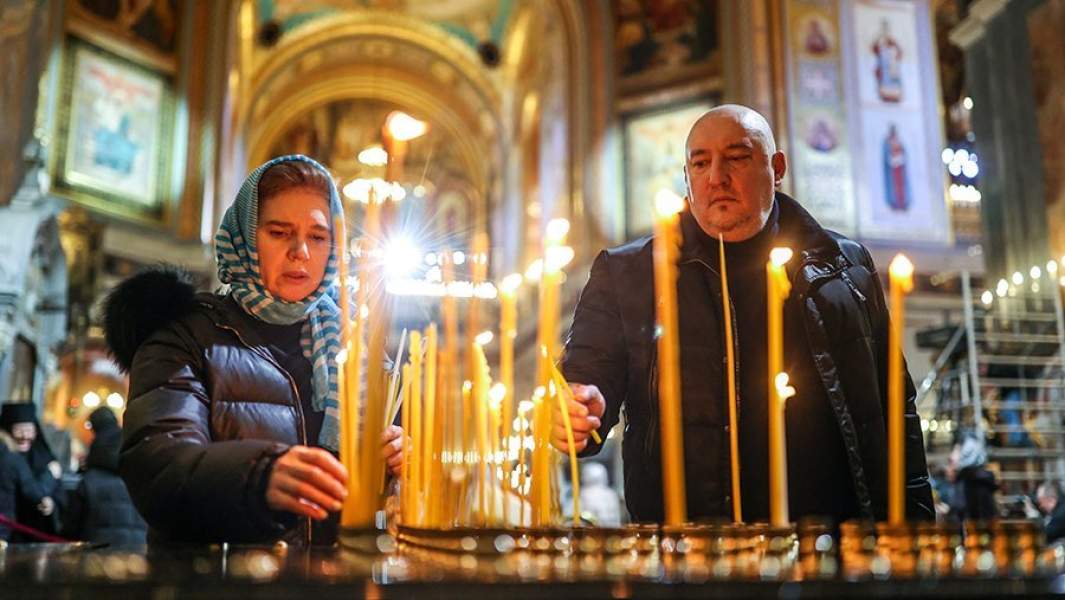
[(294, 239)]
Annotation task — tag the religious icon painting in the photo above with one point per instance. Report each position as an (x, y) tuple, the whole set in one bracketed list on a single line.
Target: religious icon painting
[(887, 52), (112, 139)]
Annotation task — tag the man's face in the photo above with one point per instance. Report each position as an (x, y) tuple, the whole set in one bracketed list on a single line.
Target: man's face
[(730, 178), (24, 434), (1047, 502)]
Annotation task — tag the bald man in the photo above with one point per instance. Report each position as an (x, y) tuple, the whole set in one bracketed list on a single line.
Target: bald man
[(835, 338)]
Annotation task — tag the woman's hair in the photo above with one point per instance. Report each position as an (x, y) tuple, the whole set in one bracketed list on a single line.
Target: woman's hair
[(290, 175)]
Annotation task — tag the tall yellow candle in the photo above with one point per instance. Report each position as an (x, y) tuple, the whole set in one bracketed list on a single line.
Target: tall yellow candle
[(478, 260), (665, 250), (480, 410), (450, 380), (730, 362), (901, 274), (508, 331), (777, 289), (428, 457), (347, 436), (416, 433), (406, 416)]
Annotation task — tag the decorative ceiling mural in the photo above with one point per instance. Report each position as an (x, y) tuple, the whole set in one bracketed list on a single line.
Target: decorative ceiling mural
[(475, 22)]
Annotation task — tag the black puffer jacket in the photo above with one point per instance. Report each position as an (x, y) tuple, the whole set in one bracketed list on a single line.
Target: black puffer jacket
[(840, 301), (100, 509), (209, 412), (17, 484)]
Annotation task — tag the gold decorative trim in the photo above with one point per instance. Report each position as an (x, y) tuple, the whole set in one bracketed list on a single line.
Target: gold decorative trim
[(381, 84), (106, 35), (329, 30)]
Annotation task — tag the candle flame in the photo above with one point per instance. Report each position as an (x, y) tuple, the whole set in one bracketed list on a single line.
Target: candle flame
[(535, 270), (497, 393), (557, 257), (525, 406), (484, 338), (556, 231), (342, 356), (467, 386), (404, 127), (510, 284), (784, 391), (780, 256), (901, 271), (668, 203), (373, 156)]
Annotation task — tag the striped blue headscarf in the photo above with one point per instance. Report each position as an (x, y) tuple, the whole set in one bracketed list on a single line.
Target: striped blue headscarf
[(238, 266)]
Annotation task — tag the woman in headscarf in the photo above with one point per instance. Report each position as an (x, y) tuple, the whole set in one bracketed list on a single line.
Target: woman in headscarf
[(36, 509), (232, 425)]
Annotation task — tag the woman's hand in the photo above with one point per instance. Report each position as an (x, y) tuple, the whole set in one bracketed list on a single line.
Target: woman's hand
[(307, 481), (392, 449)]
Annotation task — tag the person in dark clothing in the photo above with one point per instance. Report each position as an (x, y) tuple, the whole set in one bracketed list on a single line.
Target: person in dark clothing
[(100, 509), (974, 486), (19, 420), (1048, 499), (17, 485), (232, 425), (835, 338)]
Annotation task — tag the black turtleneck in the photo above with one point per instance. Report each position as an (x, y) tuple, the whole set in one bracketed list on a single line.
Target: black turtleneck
[(818, 485)]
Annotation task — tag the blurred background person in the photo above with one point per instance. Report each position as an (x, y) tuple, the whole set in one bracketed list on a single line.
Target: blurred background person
[(19, 420), (100, 509)]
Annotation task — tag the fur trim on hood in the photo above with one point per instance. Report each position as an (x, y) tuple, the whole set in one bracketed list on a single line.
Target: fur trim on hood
[(143, 304)]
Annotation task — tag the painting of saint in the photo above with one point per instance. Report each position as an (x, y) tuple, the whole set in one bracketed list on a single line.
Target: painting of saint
[(896, 185), (888, 60), (816, 42), (115, 132)]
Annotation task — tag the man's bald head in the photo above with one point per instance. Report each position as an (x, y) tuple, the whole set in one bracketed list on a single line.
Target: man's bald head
[(732, 167), (756, 125)]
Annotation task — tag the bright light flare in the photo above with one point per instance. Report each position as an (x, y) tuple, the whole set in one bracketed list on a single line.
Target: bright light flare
[(780, 256), (668, 203), (403, 127)]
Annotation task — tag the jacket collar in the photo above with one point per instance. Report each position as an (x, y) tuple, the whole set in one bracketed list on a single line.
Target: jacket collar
[(798, 230)]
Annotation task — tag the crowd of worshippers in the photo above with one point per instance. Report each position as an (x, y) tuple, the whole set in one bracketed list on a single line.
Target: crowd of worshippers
[(40, 503)]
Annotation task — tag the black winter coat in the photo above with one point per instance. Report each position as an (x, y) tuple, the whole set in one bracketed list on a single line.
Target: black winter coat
[(838, 297), (209, 411), (17, 486), (100, 510)]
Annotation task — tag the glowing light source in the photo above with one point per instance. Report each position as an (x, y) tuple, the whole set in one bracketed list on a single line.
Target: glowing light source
[(115, 400), (359, 190), (484, 338), (780, 256), (967, 102), (404, 127), (667, 202), (401, 257), (373, 156), (1035, 272), (1052, 267), (91, 399), (459, 257), (1002, 288), (987, 297), (1018, 278), (510, 284)]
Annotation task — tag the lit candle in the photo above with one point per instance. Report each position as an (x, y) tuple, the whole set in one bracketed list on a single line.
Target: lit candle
[(452, 434), (405, 475), (480, 410), (901, 275), (666, 247), (557, 390), (730, 355), (416, 433), (347, 436), (508, 331), (777, 289), (478, 260), (778, 458), (430, 468)]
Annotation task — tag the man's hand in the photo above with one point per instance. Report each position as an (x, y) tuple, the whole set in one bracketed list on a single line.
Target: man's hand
[(46, 506), (585, 411), (392, 449), (55, 469), (307, 481)]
